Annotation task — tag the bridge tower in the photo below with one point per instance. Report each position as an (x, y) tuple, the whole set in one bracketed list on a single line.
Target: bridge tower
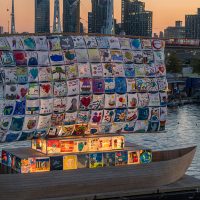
[(56, 19), (13, 18)]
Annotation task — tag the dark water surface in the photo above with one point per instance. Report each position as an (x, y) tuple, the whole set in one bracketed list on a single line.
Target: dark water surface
[(183, 129)]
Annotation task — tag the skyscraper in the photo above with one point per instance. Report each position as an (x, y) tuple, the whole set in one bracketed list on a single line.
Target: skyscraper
[(56, 18), (13, 18), (71, 16), (42, 16), (192, 25), (1, 29), (102, 16), (90, 22), (136, 20), (177, 31)]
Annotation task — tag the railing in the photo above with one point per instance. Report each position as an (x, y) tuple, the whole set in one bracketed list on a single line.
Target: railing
[(183, 42)]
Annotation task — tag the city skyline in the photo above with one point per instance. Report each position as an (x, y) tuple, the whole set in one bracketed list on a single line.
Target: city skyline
[(25, 17)]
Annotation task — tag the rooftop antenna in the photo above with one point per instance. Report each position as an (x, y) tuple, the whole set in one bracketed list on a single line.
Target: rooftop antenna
[(13, 18), (56, 20)]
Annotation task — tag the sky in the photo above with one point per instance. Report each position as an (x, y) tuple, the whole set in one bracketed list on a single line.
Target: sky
[(165, 12)]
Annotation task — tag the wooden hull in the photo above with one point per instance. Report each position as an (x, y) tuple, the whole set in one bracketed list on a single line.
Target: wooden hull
[(167, 167)]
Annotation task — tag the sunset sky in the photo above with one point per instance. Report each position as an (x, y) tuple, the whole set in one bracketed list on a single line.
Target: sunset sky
[(165, 12)]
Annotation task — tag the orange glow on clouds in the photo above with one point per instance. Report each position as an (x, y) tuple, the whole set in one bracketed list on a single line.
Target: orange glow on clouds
[(165, 12)]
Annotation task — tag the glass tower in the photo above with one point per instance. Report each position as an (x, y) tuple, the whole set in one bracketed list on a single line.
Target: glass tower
[(71, 16), (42, 16)]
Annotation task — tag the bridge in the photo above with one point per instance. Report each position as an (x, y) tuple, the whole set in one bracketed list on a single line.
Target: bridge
[(185, 49)]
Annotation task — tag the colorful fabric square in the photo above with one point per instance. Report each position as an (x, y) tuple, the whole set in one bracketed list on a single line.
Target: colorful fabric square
[(118, 70), (56, 58), (128, 127), (84, 70), (96, 116), (103, 42), (20, 108), (66, 42), (129, 70), (85, 85), (32, 58), (72, 104), (98, 86), (98, 102), (82, 55), (20, 58), (120, 115), (120, 85), (97, 70), (94, 55), (136, 44), (108, 70), (17, 123), (105, 55), (143, 113), (72, 71), (90, 42), (124, 43), (69, 56), (110, 101), (109, 85), (116, 56), (85, 102)]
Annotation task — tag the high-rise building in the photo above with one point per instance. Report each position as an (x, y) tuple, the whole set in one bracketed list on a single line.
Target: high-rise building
[(136, 20), (177, 31), (42, 16), (117, 27), (13, 18), (102, 17), (56, 17), (1, 29), (81, 27), (192, 25), (161, 34), (71, 16), (155, 35), (90, 22)]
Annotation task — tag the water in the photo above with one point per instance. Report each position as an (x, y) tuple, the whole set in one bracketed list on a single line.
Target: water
[(183, 129)]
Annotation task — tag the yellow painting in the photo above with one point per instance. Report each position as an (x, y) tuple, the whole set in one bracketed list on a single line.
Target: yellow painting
[(105, 143), (118, 143), (69, 162)]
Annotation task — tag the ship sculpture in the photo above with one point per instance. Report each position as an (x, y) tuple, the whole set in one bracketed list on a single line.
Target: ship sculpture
[(76, 97)]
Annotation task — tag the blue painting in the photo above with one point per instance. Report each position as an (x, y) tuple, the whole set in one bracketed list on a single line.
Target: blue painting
[(120, 85)]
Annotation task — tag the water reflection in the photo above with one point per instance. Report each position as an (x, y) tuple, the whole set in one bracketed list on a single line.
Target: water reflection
[(183, 129)]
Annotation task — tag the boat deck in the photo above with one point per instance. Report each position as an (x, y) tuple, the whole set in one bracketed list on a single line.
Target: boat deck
[(64, 185)]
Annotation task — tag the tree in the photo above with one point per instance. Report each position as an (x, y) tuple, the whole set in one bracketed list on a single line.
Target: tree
[(173, 63), (195, 64)]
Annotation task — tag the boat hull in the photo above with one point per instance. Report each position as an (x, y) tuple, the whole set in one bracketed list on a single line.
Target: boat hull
[(167, 167)]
